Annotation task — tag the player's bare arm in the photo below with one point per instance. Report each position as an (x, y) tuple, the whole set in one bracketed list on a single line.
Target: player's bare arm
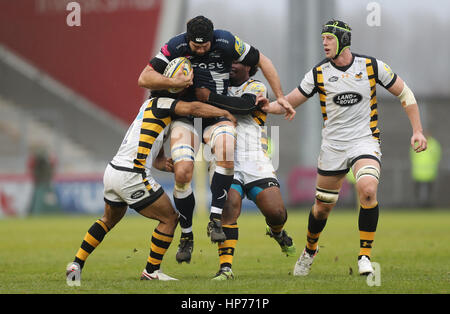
[(276, 108), (152, 79), (271, 75), (162, 162), (409, 103), (295, 98)]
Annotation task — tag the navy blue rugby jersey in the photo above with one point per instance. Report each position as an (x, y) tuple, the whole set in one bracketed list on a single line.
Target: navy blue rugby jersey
[(213, 68)]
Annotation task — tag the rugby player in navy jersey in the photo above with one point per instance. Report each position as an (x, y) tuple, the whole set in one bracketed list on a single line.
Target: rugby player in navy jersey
[(211, 53)]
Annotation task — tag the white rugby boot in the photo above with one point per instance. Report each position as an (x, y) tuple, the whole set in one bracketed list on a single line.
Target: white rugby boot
[(156, 275), (73, 270), (365, 266), (304, 262)]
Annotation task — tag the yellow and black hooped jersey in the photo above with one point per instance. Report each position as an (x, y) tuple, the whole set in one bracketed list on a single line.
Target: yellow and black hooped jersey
[(144, 137), (348, 96)]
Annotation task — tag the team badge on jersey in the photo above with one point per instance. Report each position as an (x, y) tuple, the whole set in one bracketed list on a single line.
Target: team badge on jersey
[(256, 88), (334, 78), (165, 50), (389, 70), (239, 45)]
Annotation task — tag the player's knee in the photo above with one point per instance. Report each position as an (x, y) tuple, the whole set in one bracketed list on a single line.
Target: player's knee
[(113, 215), (367, 194), (170, 218), (183, 178), (322, 210), (109, 222), (232, 202), (278, 216), (174, 217), (183, 172), (232, 207)]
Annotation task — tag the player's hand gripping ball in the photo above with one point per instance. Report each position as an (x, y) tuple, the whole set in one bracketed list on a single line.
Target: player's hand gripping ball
[(176, 65)]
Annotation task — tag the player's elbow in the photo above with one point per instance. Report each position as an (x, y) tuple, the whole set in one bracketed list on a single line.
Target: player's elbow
[(142, 82), (145, 77)]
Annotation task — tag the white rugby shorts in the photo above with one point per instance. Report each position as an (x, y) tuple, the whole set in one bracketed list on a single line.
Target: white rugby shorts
[(338, 157), (125, 187), (249, 171)]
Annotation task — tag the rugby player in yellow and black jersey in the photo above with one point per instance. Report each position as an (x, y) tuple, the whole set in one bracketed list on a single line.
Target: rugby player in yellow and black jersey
[(346, 85), (128, 181)]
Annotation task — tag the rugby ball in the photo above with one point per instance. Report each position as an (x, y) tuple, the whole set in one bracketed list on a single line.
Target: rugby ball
[(176, 65)]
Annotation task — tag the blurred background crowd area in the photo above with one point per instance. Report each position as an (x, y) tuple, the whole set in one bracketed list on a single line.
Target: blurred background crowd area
[(68, 91)]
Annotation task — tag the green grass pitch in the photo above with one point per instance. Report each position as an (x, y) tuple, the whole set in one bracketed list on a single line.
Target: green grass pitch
[(411, 247)]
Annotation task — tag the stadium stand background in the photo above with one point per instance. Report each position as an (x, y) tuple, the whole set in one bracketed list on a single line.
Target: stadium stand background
[(73, 90)]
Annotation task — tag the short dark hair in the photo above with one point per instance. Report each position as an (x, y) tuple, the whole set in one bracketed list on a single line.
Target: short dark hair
[(200, 29)]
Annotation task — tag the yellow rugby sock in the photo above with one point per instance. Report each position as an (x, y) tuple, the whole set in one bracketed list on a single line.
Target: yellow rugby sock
[(159, 244), (226, 248), (91, 240)]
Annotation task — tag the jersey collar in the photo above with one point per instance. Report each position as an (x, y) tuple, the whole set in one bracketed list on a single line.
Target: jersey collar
[(345, 67)]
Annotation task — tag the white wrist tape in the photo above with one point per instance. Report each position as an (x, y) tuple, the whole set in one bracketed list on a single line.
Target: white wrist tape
[(407, 97)]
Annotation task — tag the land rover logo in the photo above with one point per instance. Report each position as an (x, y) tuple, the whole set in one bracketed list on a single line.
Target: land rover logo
[(347, 99), (333, 79), (137, 194)]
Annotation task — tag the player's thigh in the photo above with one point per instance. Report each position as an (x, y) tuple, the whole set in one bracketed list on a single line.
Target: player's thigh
[(331, 182), (220, 136), (161, 210), (182, 132), (270, 202), (232, 208), (117, 193)]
